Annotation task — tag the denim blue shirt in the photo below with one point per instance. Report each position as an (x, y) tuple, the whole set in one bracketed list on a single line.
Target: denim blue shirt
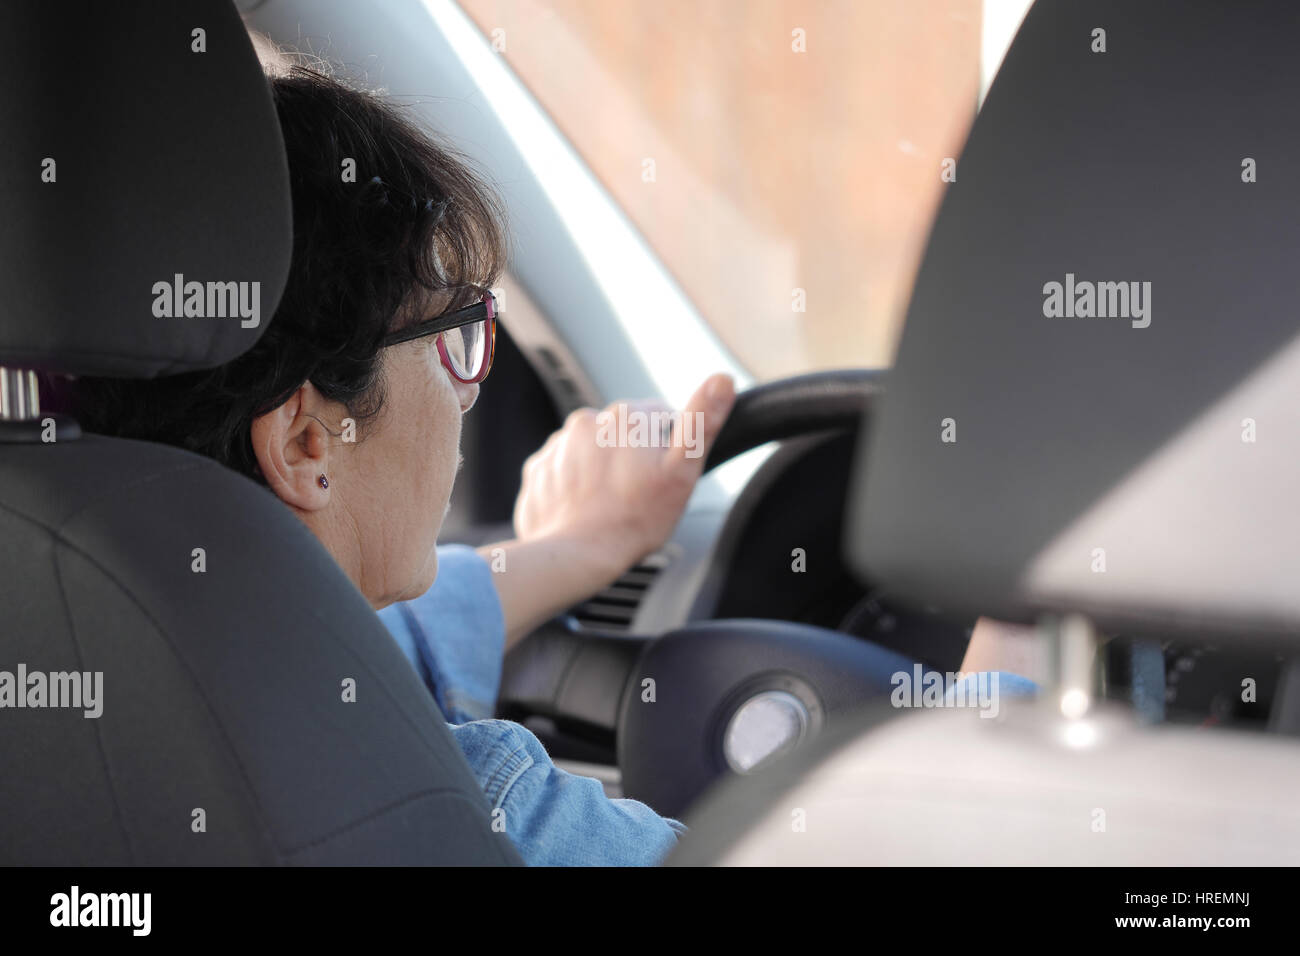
[(454, 636)]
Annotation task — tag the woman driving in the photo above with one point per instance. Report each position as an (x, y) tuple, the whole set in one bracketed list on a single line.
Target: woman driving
[(349, 411)]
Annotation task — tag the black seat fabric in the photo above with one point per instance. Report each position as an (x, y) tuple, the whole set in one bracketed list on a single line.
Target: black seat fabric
[(223, 688), (136, 160), (228, 642), (1093, 404)]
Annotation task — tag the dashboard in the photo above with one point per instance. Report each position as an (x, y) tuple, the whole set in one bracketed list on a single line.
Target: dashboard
[(776, 554)]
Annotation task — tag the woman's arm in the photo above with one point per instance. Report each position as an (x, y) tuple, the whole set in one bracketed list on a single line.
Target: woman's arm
[(537, 579), (999, 646), (556, 818)]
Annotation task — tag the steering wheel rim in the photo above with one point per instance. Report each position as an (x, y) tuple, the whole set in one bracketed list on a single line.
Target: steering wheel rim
[(832, 400)]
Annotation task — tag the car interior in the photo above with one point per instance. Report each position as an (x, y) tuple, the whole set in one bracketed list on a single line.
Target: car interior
[(1085, 475)]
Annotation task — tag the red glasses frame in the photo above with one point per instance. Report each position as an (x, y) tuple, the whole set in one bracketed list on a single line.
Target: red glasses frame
[(485, 310)]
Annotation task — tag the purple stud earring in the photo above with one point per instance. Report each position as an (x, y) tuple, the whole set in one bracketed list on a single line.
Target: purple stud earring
[(323, 481)]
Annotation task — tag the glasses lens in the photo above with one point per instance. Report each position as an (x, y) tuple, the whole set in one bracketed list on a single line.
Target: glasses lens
[(467, 348)]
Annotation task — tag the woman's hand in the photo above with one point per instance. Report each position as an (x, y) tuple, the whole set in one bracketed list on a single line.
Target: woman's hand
[(604, 491), (621, 501)]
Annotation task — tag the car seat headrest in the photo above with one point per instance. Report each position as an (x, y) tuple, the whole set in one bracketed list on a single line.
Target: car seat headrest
[(147, 226), (1094, 402)]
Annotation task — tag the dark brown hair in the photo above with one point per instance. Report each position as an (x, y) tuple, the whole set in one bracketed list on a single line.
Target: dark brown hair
[(416, 218)]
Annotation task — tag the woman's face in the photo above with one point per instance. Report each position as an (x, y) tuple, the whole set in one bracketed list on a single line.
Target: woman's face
[(402, 470), (389, 489)]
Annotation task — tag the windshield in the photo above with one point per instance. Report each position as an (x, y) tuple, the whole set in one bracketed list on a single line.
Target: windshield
[(783, 159)]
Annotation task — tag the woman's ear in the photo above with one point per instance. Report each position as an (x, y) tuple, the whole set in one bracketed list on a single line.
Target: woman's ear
[(292, 451)]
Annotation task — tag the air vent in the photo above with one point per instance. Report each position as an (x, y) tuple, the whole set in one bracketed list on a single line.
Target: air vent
[(614, 608)]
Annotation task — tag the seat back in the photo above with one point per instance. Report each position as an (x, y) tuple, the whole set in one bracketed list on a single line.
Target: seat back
[(186, 676), (1092, 407)]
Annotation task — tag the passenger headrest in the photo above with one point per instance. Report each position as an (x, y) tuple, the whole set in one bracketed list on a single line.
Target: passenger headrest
[(145, 221), (1096, 400)]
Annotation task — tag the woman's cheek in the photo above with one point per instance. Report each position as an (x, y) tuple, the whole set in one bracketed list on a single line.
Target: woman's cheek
[(441, 468)]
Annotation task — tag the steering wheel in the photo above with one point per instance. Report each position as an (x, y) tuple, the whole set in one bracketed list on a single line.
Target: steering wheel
[(720, 695), (822, 401)]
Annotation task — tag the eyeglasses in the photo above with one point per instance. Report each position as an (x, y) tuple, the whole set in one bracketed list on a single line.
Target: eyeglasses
[(466, 338)]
